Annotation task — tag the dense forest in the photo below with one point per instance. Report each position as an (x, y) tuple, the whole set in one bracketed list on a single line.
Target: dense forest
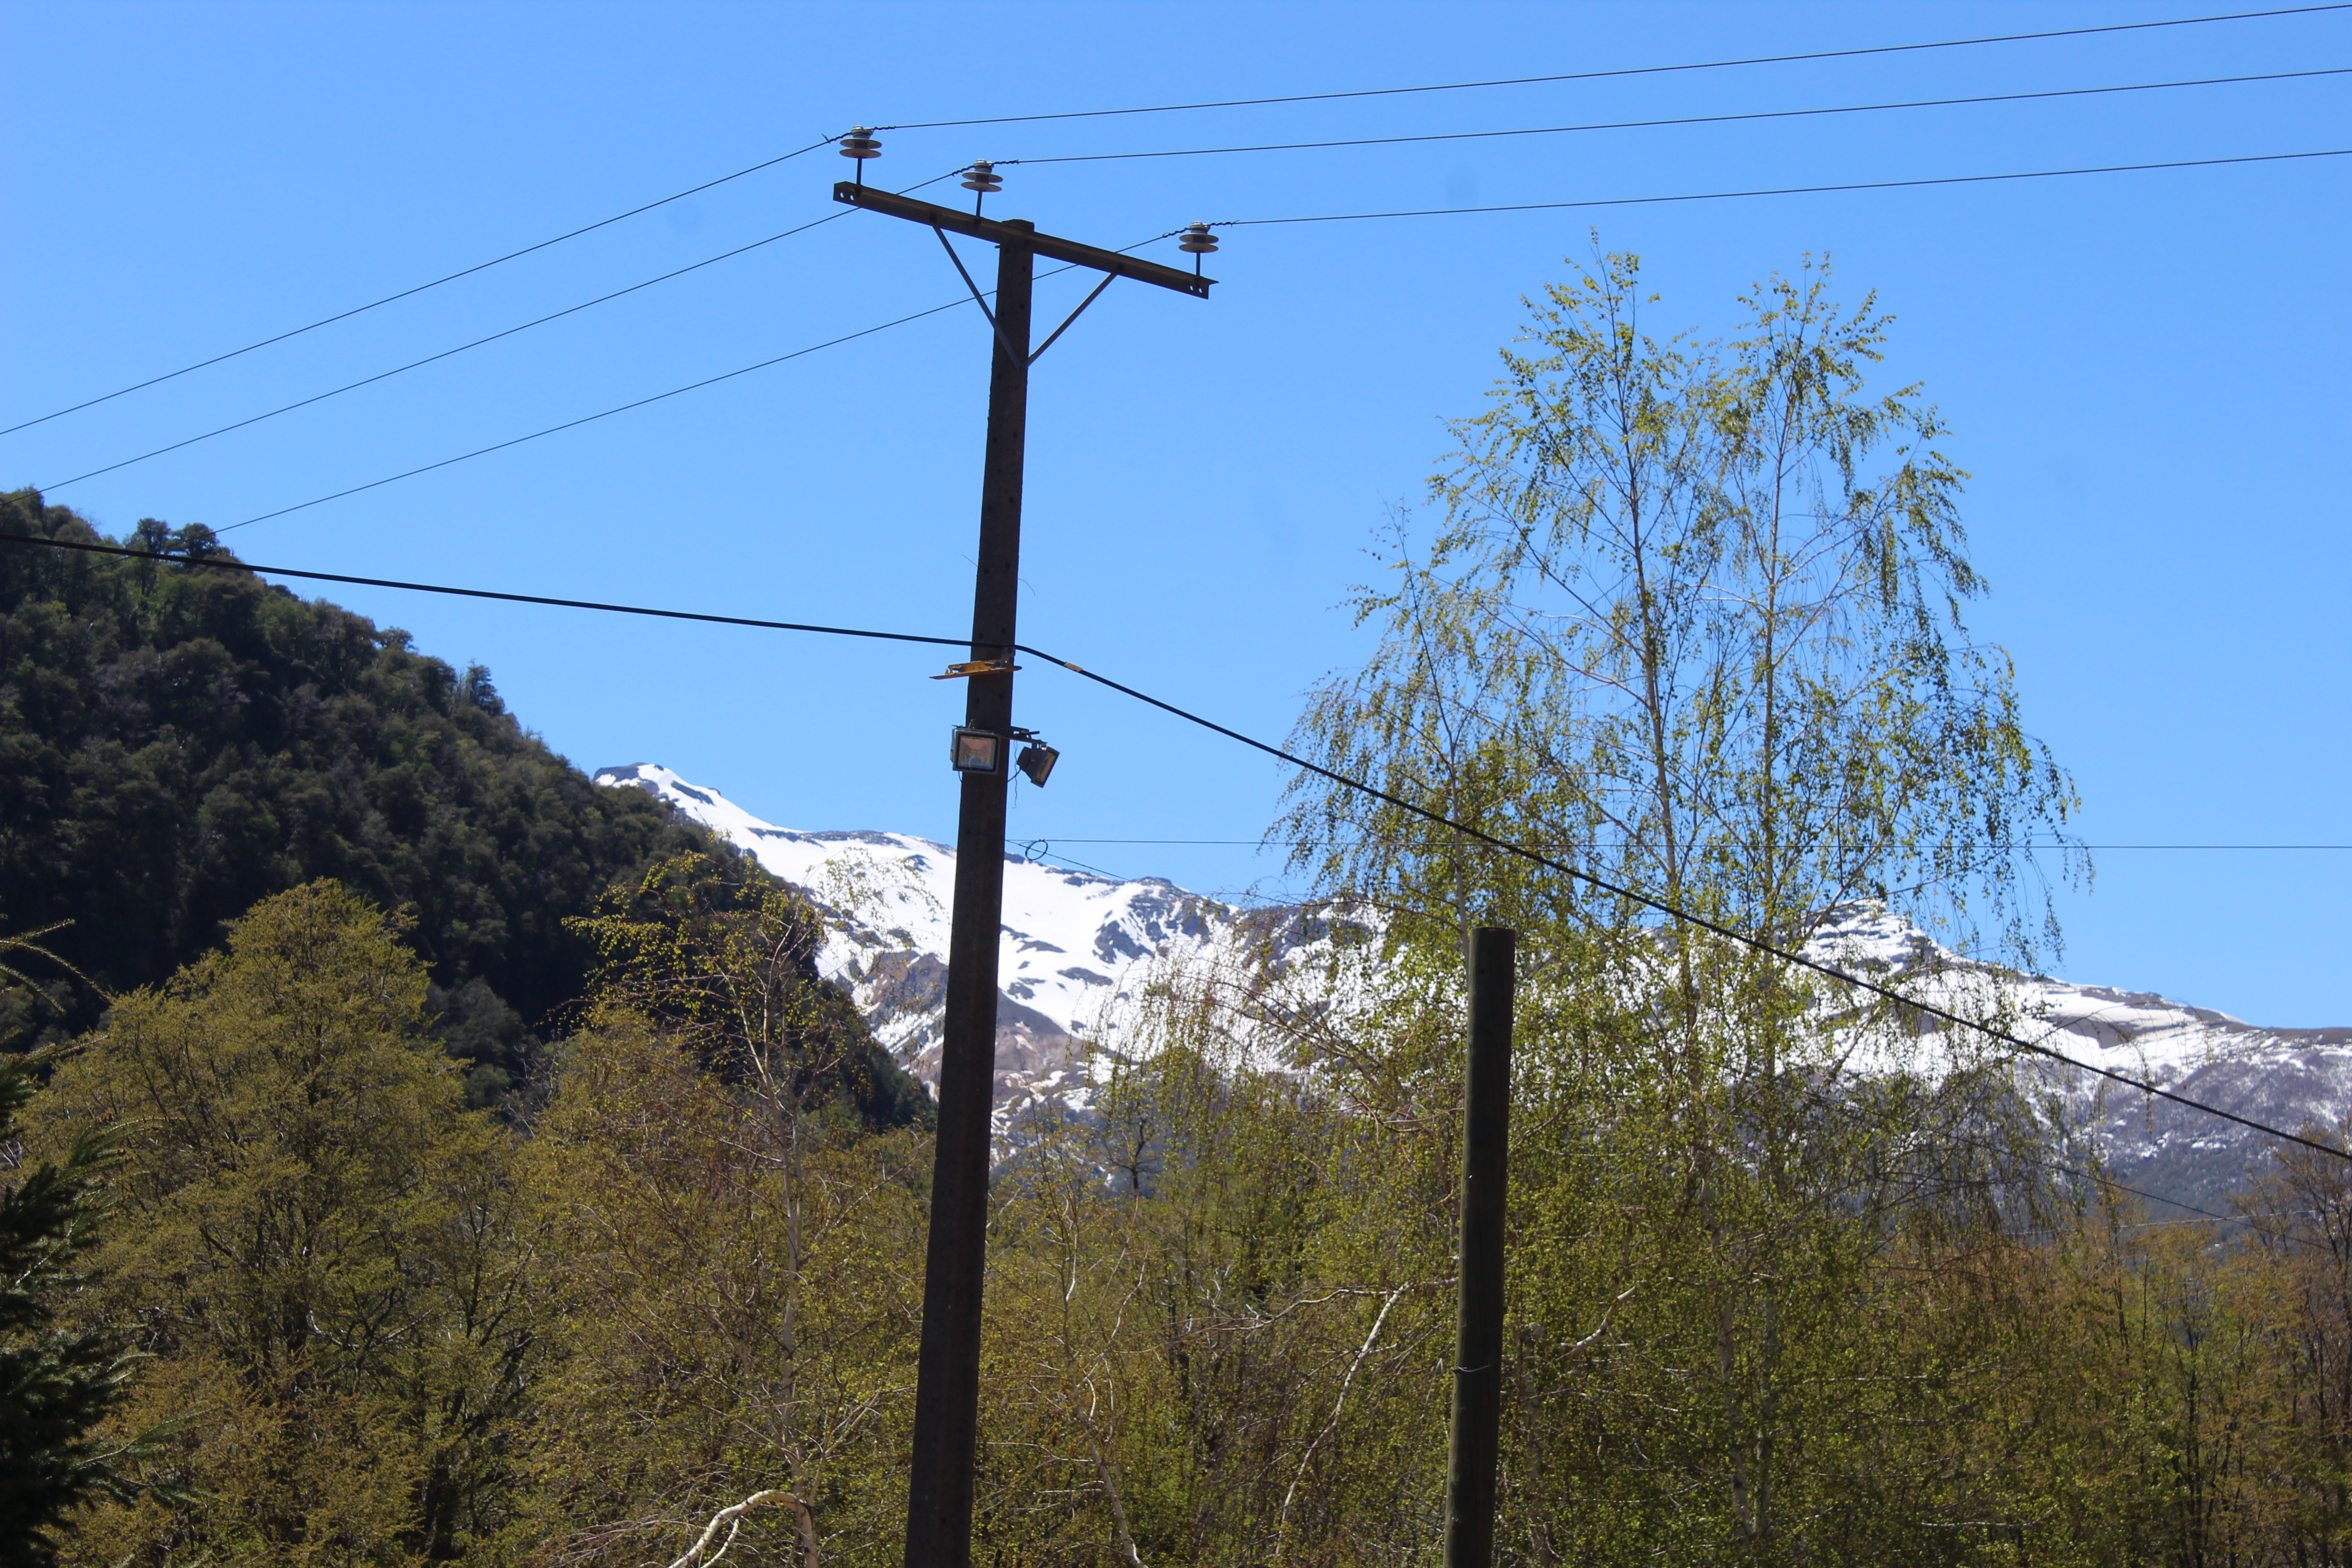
[(177, 743), (286, 1277)]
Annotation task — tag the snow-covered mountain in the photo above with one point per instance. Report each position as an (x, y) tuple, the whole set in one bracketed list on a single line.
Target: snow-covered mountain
[(1072, 941), (1077, 946), (2287, 1078)]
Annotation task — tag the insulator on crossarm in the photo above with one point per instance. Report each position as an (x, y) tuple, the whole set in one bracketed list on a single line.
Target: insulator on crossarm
[(860, 143), (1198, 240), (982, 177)]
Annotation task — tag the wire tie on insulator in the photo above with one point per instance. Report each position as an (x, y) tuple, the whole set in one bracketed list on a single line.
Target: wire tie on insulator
[(981, 179), (860, 144), (1199, 241)]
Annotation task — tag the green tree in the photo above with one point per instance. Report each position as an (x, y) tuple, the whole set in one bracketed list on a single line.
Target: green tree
[(736, 1253), (317, 1244), (738, 1286), (723, 957), (56, 1383), (1691, 623)]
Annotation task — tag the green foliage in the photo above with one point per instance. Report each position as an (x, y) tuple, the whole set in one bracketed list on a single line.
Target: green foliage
[(178, 743), (725, 960), (56, 1383), (740, 1283), (315, 1242), (1692, 622)]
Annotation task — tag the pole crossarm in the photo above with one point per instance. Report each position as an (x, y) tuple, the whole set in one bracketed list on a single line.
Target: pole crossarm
[(933, 215)]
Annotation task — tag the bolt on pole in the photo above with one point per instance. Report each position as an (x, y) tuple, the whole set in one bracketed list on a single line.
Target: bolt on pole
[(946, 1378), (1478, 1327)]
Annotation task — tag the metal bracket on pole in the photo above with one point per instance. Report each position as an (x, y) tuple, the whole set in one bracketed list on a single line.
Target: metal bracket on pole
[(982, 301)]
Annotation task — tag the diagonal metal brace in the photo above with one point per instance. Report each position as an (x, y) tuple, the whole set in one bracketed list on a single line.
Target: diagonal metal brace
[(1073, 316), (980, 300)]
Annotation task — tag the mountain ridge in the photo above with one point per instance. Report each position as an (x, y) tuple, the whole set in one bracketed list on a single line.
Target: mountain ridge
[(888, 895)]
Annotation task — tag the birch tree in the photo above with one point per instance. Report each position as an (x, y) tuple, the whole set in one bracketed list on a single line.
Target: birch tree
[(1689, 619)]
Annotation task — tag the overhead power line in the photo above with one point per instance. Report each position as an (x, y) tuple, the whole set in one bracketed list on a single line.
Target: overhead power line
[(591, 418), (1679, 120), (1621, 72), (1701, 922), (623, 408), (421, 288), (1796, 190), (231, 565), (478, 343), (445, 354), (1408, 844), (1230, 223), (1659, 906), (1178, 107), (1182, 153)]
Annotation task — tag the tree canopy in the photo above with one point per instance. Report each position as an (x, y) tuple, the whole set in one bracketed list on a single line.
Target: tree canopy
[(178, 743)]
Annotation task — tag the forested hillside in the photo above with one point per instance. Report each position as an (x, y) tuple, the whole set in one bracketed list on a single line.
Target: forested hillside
[(177, 743)]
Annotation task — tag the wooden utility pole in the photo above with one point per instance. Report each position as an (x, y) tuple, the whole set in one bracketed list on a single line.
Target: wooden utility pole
[(946, 1378), (1485, 1180)]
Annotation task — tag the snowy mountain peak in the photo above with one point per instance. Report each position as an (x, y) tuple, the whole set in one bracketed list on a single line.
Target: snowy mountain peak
[(1070, 939)]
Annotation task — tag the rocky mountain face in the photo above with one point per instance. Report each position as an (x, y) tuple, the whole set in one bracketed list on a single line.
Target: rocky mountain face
[(2287, 1078), (1078, 948)]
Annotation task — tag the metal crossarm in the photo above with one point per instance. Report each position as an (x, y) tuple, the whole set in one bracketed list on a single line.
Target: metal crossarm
[(995, 233)]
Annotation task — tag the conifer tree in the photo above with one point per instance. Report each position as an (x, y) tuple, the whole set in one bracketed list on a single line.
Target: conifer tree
[(56, 1384)]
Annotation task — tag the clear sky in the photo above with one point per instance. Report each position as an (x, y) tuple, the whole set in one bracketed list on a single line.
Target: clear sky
[(2145, 372)]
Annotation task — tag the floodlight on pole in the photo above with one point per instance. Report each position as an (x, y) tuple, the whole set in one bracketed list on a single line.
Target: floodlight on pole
[(1036, 762), (976, 751)]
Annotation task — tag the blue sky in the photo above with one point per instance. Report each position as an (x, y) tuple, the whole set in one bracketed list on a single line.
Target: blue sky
[(2144, 372)]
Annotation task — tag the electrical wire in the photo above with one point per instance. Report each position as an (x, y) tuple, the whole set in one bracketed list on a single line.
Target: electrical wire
[(1623, 71), (430, 359), (623, 408), (1231, 223), (446, 354), (231, 565), (1798, 189), (1572, 844), (1673, 912), (590, 418), (1177, 108), (1190, 153), (421, 288), (1679, 120), (1659, 906), (1171, 109)]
